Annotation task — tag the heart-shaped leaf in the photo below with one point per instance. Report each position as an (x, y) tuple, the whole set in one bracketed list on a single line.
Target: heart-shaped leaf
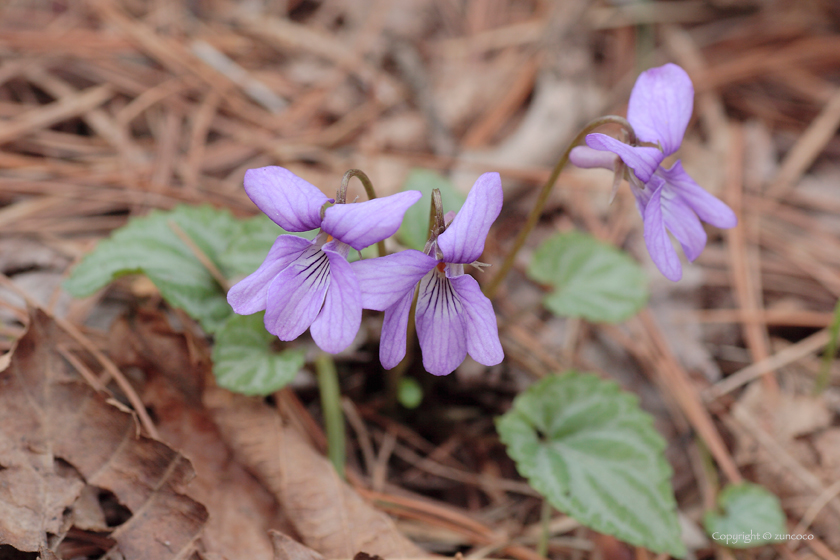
[(751, 516), (591, 279), (151, 246), (593, 453)]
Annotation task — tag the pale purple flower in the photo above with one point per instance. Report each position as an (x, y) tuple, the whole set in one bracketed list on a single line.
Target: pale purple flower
[(306, 284), (668, 199), (453, 317)]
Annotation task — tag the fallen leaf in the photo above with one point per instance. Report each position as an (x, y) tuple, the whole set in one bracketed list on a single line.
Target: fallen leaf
[(241, 510), (87, 513), (329, 515), (56, 434), (34, 491), (47, 554), (286, 548)]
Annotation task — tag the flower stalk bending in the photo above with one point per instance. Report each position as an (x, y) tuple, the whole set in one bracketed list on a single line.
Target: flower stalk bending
[(492, 287), (341, 197)]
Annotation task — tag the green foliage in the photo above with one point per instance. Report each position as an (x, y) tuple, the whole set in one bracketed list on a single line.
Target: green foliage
[(149, 245), (409, 392), (752, 516), (414, 230), (593, 453), (591, 279), (244, 362)]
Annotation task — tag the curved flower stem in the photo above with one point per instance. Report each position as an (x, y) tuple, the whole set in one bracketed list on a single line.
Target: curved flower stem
[(331, 409), (341, 198), (492, 286)]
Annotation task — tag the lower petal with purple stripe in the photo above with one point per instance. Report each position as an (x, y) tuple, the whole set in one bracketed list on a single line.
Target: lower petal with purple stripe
[(297, 294), (440, 325), (337, 324)]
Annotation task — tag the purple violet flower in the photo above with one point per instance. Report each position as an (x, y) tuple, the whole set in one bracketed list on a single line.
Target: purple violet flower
[(453, 317), (306, 284), (668, 199)]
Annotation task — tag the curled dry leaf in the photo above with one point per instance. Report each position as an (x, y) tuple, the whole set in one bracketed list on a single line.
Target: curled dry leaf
[(329, 515), (174, 364), (57, 434)]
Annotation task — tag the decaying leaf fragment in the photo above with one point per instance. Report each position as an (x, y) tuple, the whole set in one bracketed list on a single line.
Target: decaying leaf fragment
[(57, 434), (286, 548), (330, 516)]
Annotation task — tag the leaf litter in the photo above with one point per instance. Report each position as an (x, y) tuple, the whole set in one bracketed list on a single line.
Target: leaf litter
[(59, 435), (329, 516)]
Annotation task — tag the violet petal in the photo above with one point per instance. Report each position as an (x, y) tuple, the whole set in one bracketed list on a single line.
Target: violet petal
[(362, 224), (440, 326), (296, 295), (656, 238), (249, 294), (707, 207), (660, 106), (291, 202), (463, 240), (392, 340), (337, 324), (589, 158), (683, 223), (385, 280), (480, 320), (643, 160)]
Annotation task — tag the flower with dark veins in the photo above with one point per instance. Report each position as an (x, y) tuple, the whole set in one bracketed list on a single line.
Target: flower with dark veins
[(668, 199), (306, 284), (453, 317)]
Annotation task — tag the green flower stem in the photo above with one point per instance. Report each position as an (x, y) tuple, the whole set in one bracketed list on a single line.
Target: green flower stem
[(342, 196), (824, 377), (331, 407), (545, 519), (492, 287)]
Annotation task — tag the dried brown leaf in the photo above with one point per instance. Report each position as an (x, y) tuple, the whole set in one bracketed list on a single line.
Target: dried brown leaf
[(286, 548), (87, 512), (330, 516), (56, 434), (34, 492), (241, 510), (47, 554)]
